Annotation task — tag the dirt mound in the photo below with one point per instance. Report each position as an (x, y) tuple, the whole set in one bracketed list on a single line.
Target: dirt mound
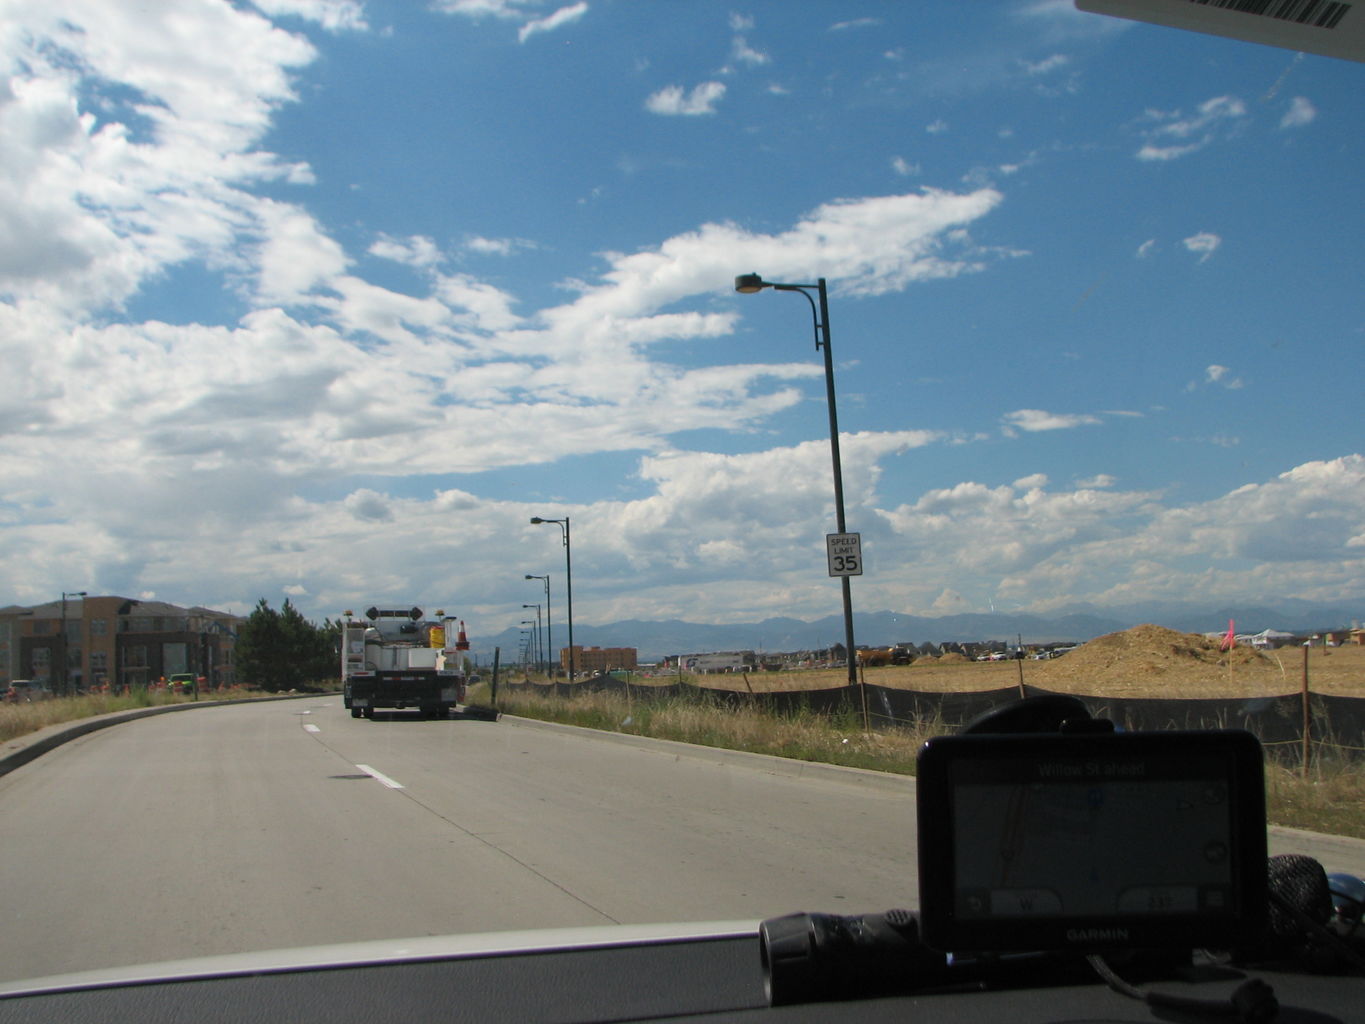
[(1152, 656), (953, 658), (1160, 645)]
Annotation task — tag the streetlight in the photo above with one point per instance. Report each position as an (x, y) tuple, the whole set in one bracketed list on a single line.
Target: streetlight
[(750, 284), (563, 525), (66, 676), (549, 630), (540, 637), (528, 641)]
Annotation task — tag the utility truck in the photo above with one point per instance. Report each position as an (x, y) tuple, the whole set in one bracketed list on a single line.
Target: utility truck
[(397, 659)]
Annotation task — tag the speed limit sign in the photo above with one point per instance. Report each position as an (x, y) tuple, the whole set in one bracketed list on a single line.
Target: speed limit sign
[(845, 553)]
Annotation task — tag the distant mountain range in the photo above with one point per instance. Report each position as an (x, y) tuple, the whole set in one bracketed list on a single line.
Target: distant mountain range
[(655, 640)]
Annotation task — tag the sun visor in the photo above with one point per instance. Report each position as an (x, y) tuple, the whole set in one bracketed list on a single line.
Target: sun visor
[(1330, 28)]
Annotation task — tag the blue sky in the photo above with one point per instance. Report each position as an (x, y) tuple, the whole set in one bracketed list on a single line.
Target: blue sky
[(324, 299)]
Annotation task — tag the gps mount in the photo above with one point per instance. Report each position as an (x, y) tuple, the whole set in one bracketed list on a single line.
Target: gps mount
[(1047, 838)]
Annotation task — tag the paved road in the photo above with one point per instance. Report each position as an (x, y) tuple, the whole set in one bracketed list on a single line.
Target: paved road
[(285, 824), (255, 827)]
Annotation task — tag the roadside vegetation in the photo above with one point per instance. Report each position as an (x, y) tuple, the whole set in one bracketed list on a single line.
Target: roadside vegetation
[(281, 650), (1329, 798), (21, 719)]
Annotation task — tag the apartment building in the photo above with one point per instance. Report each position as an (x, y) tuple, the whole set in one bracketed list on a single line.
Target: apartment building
[(592, 660), (87, 643)]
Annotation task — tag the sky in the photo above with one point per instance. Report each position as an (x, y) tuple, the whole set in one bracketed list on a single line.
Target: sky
[(323, 300)]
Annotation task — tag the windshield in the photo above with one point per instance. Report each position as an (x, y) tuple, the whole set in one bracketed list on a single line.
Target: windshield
[(311, 307)]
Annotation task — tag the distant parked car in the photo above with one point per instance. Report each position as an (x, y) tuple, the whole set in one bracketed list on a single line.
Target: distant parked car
[(181, 682), (24, 691)]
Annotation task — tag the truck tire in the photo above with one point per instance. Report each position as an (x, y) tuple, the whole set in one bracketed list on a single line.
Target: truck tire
[(355, 712)]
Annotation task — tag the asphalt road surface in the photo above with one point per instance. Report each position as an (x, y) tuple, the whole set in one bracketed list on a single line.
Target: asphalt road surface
[(282, 824)]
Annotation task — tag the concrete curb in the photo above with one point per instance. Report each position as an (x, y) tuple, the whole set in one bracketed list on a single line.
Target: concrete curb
[(21, 750), (770, 763)]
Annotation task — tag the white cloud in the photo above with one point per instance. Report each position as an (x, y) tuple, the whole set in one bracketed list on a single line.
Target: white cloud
[(1035, 420), (950, 602), (1205, 243), (1293, 536), (1222, 376), (1102, 480), (507, 9), (100, 207), (296, 256), (903, 167), (1047, 65), (497, 246), (672, 100), (333, 15), (1171, 135), (1146, 249), (1300, 113), (369, 505), (742, 52), (560, 18), (414, 251)]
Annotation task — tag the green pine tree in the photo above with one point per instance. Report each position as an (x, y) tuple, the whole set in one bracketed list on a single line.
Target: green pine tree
[(281, 650)]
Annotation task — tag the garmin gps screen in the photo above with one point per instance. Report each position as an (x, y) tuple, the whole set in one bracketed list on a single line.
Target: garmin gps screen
[(1057, 842)]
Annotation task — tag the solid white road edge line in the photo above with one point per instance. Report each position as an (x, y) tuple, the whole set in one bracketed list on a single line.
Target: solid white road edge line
[(380, 776)]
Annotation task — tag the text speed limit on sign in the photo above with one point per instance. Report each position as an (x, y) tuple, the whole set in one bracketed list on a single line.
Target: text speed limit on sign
[(845, 553)]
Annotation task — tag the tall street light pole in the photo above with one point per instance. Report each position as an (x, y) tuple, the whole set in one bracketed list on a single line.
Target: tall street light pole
[(549, 626), (749, 284), (540, 637), (563, 525), (66, 671), (529, 635)]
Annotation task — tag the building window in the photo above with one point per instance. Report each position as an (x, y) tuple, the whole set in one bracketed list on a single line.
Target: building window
[(99, 627)]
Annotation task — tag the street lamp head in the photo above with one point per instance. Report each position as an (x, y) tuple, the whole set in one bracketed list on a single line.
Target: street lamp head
[(749, 284), (537, 520)]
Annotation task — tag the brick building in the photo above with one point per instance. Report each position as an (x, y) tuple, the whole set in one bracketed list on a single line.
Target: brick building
[(593, 660), (116, 641)]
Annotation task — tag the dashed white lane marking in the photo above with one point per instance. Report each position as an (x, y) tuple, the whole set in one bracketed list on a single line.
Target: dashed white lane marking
[(310, 727), (379, 776)]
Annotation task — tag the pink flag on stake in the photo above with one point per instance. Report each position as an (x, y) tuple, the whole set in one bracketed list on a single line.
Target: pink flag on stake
[(1229, 641)]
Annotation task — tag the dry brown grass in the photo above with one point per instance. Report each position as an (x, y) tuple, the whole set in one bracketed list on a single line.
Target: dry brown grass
[(806, 735), (21, 719), (1329, 797), (1146, 661)]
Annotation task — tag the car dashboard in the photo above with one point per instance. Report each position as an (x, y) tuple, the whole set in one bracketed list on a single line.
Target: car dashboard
[(687, 973)]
